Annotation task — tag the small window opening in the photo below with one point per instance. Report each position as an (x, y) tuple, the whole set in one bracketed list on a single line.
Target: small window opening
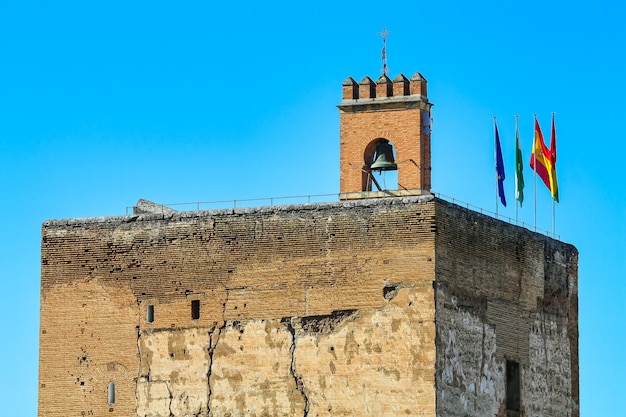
[(111, 393), (512, 386), (150, 313), (195, 309)]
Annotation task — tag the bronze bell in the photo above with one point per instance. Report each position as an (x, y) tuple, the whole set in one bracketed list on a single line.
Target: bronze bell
[(383, 158)]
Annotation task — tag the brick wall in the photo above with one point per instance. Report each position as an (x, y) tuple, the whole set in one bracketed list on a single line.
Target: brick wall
[(301, 308)]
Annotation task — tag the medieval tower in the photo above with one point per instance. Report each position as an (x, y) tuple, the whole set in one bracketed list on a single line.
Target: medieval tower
[(384, 303)]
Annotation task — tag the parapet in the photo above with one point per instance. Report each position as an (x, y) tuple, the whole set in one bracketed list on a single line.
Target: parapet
[(384, 87)]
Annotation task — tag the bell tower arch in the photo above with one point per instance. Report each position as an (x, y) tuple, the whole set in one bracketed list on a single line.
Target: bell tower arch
[(375, 116)]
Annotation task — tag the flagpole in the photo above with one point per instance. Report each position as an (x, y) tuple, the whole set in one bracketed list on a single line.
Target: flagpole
[(554, 168), (495, 162), (553, 233), (516, 212), (535, 174), (516, 173)]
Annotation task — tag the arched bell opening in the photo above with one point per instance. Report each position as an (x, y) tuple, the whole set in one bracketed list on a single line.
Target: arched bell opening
[(379, 169)]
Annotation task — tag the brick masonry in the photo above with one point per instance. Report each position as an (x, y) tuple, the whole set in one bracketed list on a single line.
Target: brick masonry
[(396, 306), (398, 111)]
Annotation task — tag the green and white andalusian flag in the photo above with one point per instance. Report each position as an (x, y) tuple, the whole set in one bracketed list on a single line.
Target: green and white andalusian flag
[(519, 169)]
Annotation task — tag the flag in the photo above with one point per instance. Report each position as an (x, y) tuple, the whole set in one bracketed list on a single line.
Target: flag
[(519, 169), (499, 167), (554, 187), (541, 161)]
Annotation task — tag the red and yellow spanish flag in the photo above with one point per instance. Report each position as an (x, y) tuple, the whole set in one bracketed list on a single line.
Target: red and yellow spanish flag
[(543, 160), (555, 186)]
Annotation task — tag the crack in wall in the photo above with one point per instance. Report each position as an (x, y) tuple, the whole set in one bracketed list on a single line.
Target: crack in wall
[(138, 363), (292, 369), (481, 371), (214, 337), (167, 385)]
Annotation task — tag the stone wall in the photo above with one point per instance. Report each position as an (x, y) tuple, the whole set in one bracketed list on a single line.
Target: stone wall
[(397, 306), (503, 293), (324, 309)]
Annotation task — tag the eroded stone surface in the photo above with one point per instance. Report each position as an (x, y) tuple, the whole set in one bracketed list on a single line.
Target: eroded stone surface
[(376, 363), (372, 362), (251, 371), (174, 372)]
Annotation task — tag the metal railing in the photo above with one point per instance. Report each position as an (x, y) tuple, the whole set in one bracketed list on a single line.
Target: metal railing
[(246, 202), (322, 198), (498, 216)]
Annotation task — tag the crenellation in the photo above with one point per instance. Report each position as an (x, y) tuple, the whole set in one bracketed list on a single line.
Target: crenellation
[(419, 85), (384, 87), (350, 89), (367, 88), (401, 86)]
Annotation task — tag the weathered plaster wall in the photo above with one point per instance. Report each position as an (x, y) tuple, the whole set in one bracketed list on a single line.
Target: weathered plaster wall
[(391, 348), (503, 292), (323, 309), (347, 363), (173, 375)]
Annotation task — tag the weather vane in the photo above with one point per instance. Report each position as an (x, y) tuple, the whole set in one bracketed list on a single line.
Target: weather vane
[(384, 34)]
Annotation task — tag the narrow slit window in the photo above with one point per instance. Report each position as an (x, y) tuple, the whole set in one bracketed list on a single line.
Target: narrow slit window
[(195, 309), (513, 393), (150, 313), (111, 393)]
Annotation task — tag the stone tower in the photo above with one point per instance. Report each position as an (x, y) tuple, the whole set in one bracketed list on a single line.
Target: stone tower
[(406, 305), (397, 111)]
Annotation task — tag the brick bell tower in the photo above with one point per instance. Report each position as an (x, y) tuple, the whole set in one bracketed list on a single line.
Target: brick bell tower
[(395, 112)]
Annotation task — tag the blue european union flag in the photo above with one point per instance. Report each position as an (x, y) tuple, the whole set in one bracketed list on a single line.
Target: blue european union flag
[(500, 169)]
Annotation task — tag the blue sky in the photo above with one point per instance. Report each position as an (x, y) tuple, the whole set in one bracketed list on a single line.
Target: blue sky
[(103, 104)]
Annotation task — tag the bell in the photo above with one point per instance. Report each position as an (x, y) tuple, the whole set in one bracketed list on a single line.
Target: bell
[(383, 158)]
